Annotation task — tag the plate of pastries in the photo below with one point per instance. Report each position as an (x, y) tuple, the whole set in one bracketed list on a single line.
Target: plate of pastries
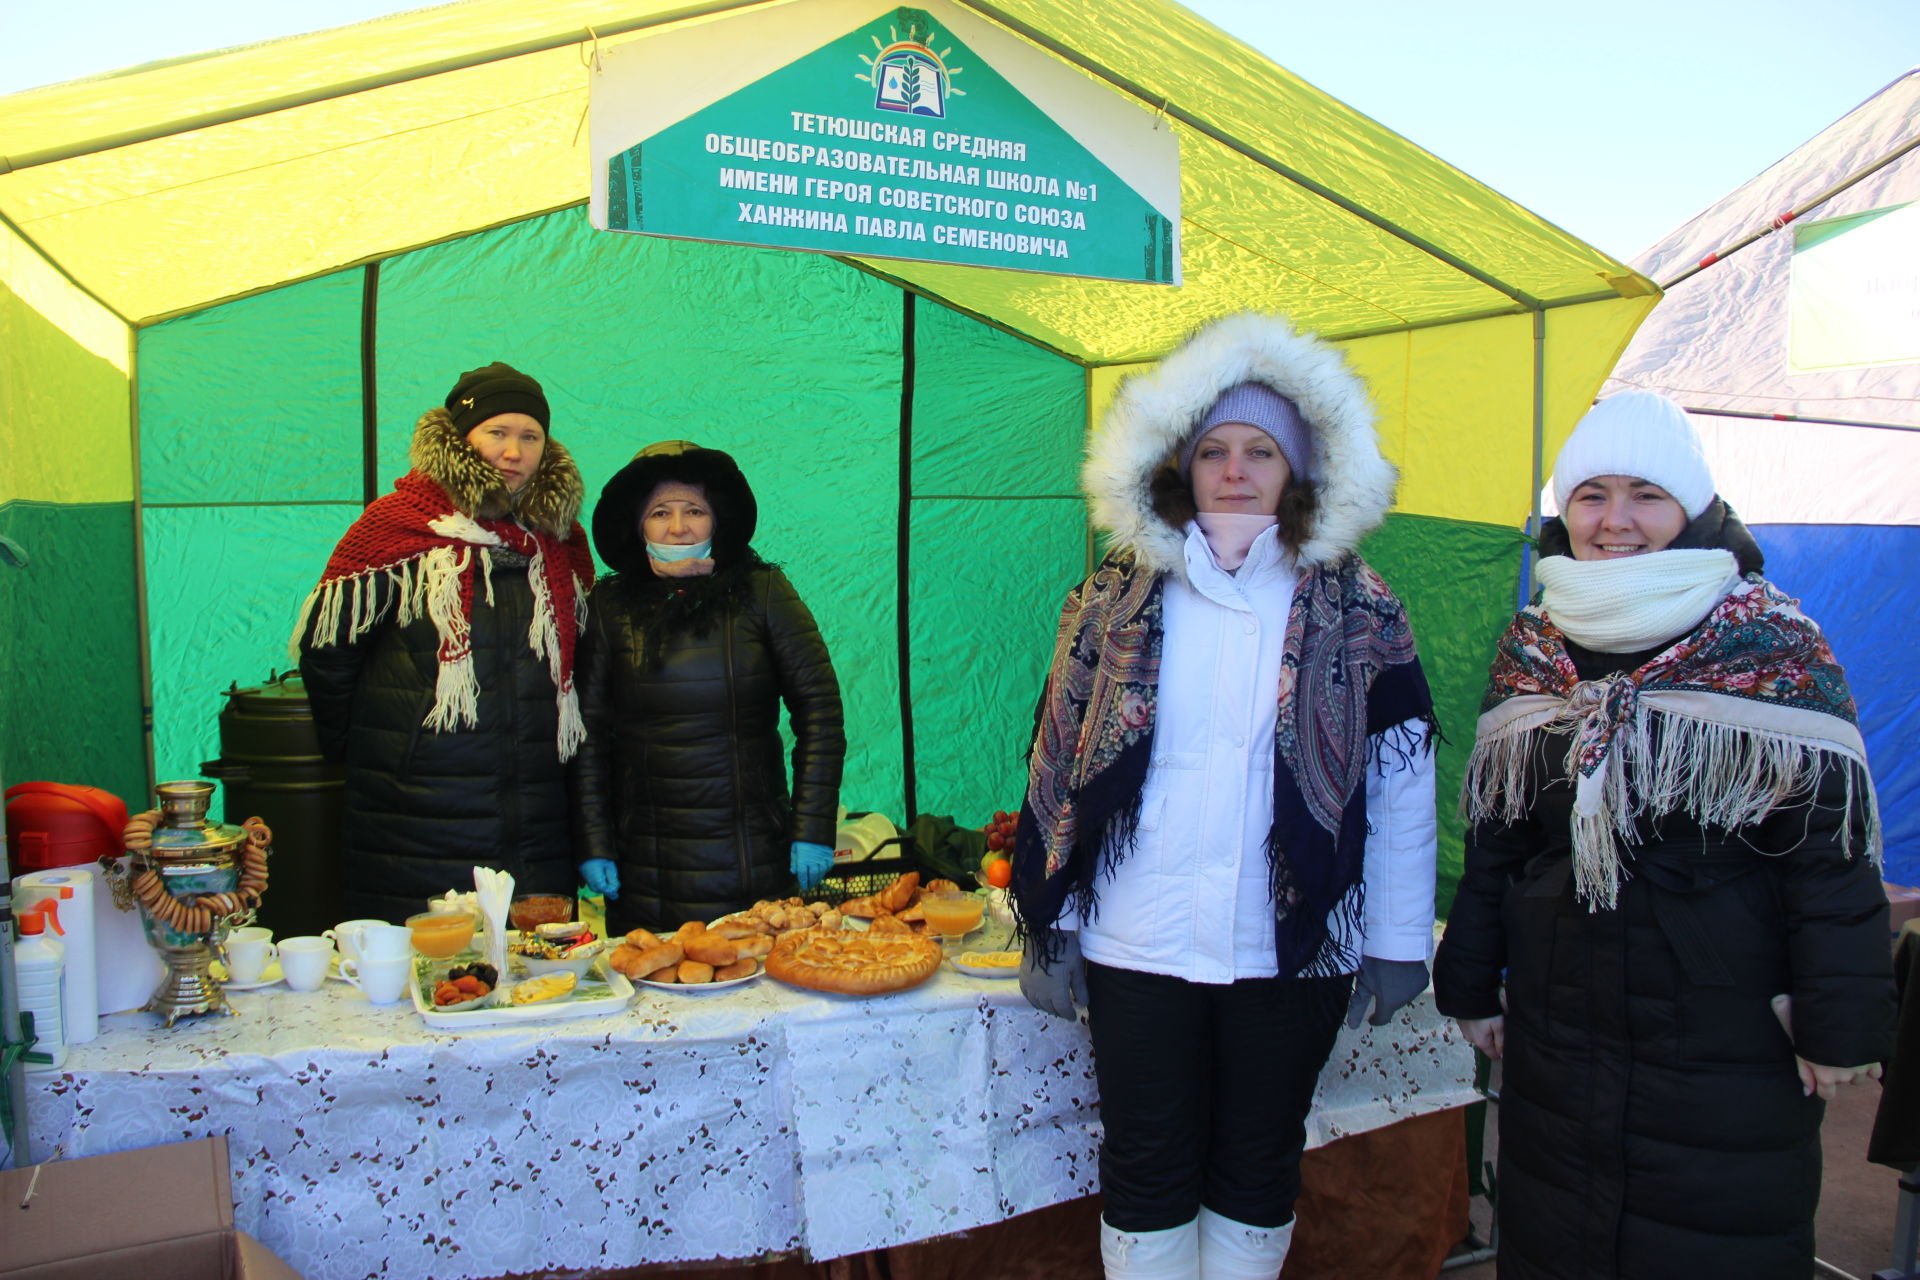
[(867, 946)]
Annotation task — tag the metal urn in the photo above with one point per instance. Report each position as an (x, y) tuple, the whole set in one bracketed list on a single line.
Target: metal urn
[(194, 881)]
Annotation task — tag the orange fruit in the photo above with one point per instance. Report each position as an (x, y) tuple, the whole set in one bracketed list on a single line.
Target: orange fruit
[(1000, 873)]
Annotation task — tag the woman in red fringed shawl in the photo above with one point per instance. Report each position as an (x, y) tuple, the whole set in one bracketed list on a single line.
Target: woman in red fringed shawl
[(1228, 834), (1671, 926), (437, 650)]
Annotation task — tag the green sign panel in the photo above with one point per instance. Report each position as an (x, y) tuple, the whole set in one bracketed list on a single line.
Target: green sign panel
[(897, 141)]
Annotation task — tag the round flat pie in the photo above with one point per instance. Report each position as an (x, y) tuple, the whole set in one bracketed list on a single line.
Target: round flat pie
[(856, 964)]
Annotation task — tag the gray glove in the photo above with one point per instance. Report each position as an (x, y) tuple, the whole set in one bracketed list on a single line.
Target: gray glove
[(1054, 988), (1389, 984)]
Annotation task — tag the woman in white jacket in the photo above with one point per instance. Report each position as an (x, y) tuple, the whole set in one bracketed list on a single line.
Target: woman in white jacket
[(1228, 833)]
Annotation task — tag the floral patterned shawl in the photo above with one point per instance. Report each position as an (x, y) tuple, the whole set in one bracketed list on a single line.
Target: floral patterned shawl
[(1739, 717), (1348, 671)]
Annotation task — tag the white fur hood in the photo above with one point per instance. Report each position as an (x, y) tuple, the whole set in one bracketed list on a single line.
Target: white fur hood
[(1154, 411)]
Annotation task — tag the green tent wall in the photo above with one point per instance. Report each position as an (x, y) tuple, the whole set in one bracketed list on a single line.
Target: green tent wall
[(254, 439)]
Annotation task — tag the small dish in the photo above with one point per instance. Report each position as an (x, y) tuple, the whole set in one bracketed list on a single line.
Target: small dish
[(701, 988), (973, 969), (463, 1006), (268, 976), (579, 961)]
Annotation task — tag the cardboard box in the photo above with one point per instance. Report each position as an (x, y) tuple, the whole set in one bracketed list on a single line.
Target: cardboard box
[(163, 1213), (1903, 903)]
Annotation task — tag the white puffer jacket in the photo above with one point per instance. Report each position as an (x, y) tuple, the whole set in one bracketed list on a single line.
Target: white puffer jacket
[(1192, 898)]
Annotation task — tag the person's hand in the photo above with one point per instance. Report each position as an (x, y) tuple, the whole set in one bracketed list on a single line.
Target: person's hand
[(602, 876), (1056, 987), (1488, 1035), (1826, 1081), (809, 862), (1388, 984)]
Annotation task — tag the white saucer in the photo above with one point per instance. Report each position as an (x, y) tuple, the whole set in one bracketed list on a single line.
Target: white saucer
[(268, 977)]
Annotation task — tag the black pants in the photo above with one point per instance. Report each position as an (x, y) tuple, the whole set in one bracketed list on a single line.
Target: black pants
[(1204, 1092)]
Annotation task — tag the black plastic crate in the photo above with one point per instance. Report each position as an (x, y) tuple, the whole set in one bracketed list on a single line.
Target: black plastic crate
[(851, 880)]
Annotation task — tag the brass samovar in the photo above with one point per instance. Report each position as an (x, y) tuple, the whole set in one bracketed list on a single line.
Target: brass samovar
[(194, 881)]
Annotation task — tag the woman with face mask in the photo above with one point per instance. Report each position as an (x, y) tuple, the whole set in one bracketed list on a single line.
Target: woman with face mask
[(1228, 836), (681, 804), (1671, 927), (438, 654)]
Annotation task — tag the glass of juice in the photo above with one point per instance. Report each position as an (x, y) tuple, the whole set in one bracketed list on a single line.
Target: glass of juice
[(952, 916), (440, 934)]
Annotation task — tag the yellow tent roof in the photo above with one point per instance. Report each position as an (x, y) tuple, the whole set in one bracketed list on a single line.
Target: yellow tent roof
[(169, 188)]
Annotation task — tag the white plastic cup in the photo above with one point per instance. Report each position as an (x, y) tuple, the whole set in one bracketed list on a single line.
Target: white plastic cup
[(249, 951), (304, 961), (382, 942), (384, 980), (345, 936)]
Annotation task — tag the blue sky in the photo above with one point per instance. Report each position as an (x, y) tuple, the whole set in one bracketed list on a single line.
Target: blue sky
[(1617, 121)]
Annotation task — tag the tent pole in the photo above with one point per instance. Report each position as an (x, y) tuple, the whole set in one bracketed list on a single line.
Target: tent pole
[(903, 524), (1781, 220), (141, 624), (369, 384), (1532, 547)]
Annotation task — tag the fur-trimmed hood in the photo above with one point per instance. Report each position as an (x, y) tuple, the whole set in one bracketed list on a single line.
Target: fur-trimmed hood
[(1153, 412), (616, 517), (549, 504)]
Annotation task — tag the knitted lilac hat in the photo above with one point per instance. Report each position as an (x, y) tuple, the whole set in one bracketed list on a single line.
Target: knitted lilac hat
[(1260, 406)]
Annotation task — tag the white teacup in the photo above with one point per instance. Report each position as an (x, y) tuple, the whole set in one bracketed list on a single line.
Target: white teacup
[(382, 942), (304, 961), (249, 951), (384, 979), (346, 936)]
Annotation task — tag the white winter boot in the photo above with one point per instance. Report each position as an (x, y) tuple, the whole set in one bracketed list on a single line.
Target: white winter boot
[(1232, 1250), (1173, 1254)]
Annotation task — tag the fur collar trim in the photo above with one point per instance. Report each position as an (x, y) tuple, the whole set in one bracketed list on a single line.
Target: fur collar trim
[(1153, 412), (549, 503)]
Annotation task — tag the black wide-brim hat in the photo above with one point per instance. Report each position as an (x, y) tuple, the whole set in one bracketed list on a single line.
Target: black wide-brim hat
[(616, 517)]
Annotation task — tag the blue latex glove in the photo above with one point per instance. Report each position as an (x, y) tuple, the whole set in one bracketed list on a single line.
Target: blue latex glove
[(809, 862), (1388, 985), (602, 876), (1055, 988)]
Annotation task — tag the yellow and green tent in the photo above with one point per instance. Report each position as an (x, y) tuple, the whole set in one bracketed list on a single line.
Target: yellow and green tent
[(229, 285)]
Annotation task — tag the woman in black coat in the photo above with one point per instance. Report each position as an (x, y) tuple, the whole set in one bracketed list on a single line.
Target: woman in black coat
[(1671, 926), (438, 653), (681, 809)]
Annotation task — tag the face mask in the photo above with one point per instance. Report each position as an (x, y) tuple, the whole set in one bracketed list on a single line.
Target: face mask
[(668, 554)]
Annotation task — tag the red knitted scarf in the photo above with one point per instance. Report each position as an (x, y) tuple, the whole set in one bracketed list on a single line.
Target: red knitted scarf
[(425, 547)]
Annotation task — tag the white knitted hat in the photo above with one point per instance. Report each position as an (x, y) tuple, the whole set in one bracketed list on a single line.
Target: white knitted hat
[(1641, 434)]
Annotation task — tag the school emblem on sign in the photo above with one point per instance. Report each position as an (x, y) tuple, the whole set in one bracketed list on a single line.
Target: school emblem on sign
[(909, 77)]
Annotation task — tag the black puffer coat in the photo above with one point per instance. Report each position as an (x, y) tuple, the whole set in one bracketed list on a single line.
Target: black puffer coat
[(1651, 1121), (423, 808), (681, 781)]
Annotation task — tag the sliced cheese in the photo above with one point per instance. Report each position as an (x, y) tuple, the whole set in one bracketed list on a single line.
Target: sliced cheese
[(548, 986)]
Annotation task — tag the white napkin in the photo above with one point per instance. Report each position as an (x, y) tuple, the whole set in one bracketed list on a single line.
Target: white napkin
[(494, 889)]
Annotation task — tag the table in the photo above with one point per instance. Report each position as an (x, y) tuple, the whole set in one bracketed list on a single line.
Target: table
[(754, 1121)]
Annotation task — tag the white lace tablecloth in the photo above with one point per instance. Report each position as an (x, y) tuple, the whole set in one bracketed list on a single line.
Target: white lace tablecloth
[(757, 1120)]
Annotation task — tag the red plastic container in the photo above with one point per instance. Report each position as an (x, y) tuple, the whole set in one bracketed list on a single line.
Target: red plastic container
[(58, 824)]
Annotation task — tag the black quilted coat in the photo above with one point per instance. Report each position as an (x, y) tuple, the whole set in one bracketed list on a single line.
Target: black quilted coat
[(1651, 1121), (682, 781), (423, 808)]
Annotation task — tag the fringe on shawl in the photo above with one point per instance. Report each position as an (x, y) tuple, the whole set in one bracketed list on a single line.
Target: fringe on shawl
[(1719, 774), (543, 637), (429, 586)]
